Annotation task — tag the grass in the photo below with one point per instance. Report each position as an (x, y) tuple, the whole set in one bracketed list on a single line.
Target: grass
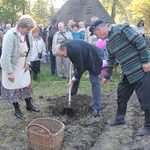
[(55, 86), (48, 86)]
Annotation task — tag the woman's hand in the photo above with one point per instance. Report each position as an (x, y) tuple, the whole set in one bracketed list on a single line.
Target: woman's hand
[(11, 77), (26, 67)]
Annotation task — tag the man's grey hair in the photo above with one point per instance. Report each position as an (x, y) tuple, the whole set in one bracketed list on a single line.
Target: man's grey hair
[(94, 17), (61, 24), (26, 21), (62, 47), (8, 26)]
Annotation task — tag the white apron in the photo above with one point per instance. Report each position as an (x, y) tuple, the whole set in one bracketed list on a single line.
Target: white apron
[(22, 79)]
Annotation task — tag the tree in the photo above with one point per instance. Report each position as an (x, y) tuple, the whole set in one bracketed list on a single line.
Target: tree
[(117, 8), (40, 11), (140, 10), (11, 10), (111, 6), (114, 5), (43, 10)]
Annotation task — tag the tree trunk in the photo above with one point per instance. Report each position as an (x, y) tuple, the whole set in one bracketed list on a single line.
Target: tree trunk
[(113, 12), (23, 7)]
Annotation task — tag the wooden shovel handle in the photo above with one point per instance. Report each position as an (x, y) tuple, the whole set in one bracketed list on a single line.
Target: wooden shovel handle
[(69, 101)]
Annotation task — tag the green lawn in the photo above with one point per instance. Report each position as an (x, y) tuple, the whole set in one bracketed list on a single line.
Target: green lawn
[(49, 85), (46, 86)]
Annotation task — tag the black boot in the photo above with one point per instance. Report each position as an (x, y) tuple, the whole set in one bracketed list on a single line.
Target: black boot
[(118, 121), (121, 111), (35, 76), (146, 129), (29, 105), (17, 110)]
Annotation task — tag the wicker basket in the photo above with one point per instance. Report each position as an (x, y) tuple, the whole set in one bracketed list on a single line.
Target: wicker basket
[(45, 134)]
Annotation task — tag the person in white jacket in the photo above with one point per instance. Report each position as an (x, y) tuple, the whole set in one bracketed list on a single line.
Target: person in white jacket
[(60, 36), (15, 61), (38, 51), (88, 38)]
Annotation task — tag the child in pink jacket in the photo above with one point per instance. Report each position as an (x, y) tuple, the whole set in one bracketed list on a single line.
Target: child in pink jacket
[(101, 45)]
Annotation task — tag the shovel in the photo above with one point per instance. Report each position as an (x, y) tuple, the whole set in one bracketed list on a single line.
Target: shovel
[(69, 111)]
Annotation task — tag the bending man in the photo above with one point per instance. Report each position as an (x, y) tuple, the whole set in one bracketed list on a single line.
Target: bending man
[(84, 56)]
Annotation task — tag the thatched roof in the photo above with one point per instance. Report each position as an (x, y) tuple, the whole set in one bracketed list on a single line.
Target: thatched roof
[(82, 10)]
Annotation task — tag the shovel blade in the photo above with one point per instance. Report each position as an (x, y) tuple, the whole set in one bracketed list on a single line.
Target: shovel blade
[(68, 111)]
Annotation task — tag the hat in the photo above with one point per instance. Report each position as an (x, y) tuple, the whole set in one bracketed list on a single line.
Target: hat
[(53, 21), (94, 25)]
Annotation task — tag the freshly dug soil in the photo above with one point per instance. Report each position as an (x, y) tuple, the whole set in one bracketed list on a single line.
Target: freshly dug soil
[(84, 132), (81, 128)]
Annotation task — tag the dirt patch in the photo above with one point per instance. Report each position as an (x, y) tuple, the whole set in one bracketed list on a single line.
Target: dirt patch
[(81, 129), (81, 106), (82, 132)]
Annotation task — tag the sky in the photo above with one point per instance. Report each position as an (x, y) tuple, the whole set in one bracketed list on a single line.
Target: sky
[(59, 3)]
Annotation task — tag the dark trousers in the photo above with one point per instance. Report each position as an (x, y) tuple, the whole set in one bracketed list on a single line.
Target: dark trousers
[(96, 90), (125, 90), (0, 86), (0, 51), (35, 67), (75, 87), (53, 62)]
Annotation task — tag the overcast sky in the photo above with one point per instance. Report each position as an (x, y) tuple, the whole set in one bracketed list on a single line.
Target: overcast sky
[(59, 3)]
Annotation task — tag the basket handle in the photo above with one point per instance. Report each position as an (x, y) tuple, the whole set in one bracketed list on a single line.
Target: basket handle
[(37, 125)]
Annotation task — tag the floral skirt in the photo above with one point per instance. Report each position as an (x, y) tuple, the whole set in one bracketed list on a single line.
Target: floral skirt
[(15, 95)]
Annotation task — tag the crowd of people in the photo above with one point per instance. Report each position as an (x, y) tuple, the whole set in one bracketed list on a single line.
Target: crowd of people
[(95, 49)]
